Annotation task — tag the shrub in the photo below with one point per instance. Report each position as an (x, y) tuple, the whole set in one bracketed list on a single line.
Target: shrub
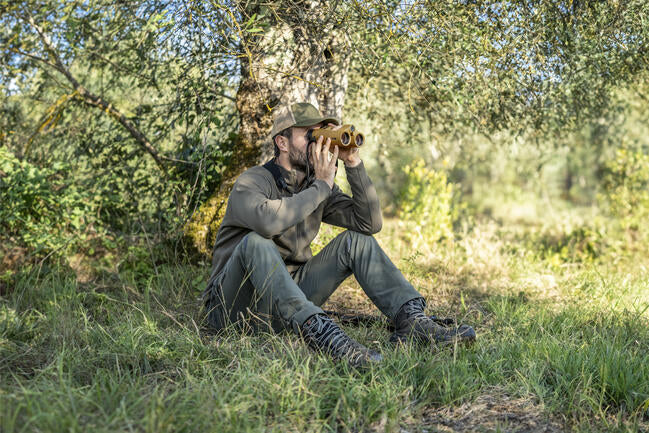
[(41, 210), (626, 190), (562, 244), (426, 205)]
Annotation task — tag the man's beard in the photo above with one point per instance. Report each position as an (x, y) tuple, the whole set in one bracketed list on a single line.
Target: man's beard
[(299, 160)]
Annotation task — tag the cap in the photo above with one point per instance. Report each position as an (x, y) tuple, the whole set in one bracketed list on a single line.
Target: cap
[(299, 114)]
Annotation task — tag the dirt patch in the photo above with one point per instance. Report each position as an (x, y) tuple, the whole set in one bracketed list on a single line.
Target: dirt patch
[(491, 412), (350, 298)]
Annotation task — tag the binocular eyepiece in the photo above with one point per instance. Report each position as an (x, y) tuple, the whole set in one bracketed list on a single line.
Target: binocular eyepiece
[(345, 136)]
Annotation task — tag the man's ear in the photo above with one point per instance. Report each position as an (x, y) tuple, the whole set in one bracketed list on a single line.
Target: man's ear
[(282, 143)]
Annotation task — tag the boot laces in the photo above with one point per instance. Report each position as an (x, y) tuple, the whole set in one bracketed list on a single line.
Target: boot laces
[(412, 320), (414, 309), (324, 333)]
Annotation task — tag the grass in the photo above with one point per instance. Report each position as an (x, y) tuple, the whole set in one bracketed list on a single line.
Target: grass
[(561, 346)]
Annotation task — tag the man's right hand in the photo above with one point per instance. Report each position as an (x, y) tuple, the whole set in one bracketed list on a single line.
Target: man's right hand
[(324, 167)]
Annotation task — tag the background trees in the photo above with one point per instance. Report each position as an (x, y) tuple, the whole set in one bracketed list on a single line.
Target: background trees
[(133, 116)]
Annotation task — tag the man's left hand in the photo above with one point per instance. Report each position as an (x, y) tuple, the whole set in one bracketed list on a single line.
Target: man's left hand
[(349, 155)]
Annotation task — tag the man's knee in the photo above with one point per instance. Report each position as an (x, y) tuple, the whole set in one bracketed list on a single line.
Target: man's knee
[(358, 241), (254, 241), (359, 237), (255, 248)]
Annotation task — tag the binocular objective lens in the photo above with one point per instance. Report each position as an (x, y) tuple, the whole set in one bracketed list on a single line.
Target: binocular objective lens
[(345, 138), (359, 139)]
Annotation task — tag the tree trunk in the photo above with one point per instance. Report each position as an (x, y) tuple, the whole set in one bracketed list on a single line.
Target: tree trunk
[(293, 60)]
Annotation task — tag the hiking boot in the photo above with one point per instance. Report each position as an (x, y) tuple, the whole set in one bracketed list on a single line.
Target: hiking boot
[(323, 334), (412, 322)]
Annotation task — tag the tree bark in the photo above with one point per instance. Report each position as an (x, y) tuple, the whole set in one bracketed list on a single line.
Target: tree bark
[(300, 57)]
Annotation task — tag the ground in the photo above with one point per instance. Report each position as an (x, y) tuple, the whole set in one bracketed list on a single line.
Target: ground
[(562, 345)]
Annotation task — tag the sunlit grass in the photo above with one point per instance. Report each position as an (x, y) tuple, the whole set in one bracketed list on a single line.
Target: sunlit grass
[(562, 344)]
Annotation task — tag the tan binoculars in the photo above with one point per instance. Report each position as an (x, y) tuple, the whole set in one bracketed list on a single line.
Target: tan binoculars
[(345, 136)]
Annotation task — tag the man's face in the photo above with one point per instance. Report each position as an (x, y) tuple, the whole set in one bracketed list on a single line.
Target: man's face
[(297, 148)]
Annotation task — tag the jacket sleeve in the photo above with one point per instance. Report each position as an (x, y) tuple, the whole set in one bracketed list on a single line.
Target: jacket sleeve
[(361, 212), (252, 208)]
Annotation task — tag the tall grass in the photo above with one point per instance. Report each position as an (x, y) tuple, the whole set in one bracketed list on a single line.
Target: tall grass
[(130, 352)]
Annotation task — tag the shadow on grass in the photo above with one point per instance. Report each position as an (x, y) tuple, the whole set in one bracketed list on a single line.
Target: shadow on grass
[(573, 362)]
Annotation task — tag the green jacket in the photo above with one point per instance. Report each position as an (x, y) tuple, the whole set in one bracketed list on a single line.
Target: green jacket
[(291, 214)]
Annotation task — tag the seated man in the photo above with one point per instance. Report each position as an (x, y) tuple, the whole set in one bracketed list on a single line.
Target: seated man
[(263, 270)]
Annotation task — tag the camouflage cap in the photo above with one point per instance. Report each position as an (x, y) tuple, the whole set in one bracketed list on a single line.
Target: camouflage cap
[(299, 114)]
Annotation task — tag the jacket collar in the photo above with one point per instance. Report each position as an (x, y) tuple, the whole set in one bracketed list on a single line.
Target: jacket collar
[(287, 179)]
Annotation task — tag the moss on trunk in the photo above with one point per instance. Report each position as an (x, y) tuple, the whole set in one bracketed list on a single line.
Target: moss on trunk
[(201, 229)]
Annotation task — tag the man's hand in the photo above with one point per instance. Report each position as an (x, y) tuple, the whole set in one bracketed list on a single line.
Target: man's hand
[(348, 155), (324, 167)]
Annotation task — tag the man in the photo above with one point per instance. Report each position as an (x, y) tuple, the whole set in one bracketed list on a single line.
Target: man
[(263, 270)]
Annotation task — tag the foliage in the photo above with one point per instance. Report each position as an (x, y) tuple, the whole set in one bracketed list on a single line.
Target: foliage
[(138, 99), (626, 189), (144, 60), (514, 92), (41, 208), (584, 243), (61, 60), (501, 65), (426, 205)]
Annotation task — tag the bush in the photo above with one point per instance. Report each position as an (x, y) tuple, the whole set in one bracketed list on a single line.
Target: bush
[(580, 244), (626, 190), (40, 211), (426, 205)]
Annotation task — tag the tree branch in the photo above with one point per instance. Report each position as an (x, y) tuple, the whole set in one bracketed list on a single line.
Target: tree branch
[(96, 101)]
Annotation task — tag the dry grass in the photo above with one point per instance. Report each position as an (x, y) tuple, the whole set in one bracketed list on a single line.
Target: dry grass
[(492, 411)]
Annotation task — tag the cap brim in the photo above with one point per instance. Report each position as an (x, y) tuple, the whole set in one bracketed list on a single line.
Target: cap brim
[(315, 121)]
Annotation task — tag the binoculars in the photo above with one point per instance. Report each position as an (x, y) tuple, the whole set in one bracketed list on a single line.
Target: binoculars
[(345, 136)]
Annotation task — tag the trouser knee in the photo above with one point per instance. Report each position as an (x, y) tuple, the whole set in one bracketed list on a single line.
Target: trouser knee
[(358, 242), (254, 242)]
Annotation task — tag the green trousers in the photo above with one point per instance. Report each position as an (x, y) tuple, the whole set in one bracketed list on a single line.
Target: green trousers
[(255, 286)]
